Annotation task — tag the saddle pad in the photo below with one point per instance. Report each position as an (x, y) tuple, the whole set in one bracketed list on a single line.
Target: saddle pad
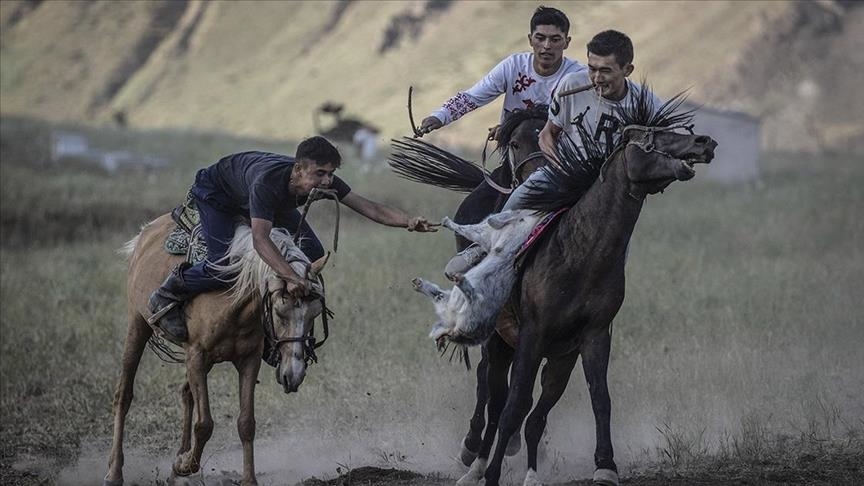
[(538, 230), (177, 243)]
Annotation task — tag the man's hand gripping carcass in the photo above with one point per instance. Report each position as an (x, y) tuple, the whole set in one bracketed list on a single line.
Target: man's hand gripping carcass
[(468, 312)]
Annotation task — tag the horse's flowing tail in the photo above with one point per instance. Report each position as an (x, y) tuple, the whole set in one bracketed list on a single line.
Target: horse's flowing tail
[(425, 163)]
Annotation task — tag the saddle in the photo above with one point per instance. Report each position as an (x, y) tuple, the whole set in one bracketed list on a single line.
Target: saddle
[(186, 238)]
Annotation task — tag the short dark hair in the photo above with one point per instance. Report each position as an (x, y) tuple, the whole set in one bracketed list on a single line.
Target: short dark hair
[(319, 150), (612, 42), (550, 16)]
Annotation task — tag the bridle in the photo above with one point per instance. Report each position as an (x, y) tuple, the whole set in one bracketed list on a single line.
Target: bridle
[(514, 169), (645, 143), (308, 339)]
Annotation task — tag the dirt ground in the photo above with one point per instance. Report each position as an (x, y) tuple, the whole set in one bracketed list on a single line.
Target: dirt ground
[(839, 469)]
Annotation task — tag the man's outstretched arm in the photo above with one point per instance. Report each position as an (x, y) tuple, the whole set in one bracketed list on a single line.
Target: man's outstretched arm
[(385, 214)]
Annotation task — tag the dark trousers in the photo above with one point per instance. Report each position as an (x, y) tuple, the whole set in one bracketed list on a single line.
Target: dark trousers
[(217, 228)]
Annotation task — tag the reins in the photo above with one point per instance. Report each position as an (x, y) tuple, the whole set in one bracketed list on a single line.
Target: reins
[(315, 195)]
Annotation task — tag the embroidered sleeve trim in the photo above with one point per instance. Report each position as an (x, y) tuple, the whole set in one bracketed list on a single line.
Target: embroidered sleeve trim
[(460, 105)]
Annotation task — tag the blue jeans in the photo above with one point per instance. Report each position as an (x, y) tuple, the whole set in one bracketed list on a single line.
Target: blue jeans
[(538, 177)]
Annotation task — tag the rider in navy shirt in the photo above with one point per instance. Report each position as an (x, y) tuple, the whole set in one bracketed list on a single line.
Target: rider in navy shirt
[(265, 189)]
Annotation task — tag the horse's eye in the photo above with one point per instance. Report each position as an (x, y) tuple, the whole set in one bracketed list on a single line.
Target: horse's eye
[(514, 145)]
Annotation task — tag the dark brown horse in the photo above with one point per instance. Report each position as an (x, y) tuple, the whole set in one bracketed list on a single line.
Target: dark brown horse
[(518, 153), (222, 327), (572, 282)]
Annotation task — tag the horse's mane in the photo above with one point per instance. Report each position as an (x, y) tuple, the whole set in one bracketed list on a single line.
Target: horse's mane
[(248, 273), (641, 111), (580, 163)]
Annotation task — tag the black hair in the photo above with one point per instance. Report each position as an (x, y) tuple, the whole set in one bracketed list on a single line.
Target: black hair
[(612, 42), (319, 150), (550, 16)]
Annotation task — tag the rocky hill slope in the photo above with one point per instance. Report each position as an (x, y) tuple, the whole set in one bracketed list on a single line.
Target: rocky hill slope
[(263, 68)]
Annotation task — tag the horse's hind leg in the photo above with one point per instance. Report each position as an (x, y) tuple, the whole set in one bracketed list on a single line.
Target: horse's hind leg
[(248, 373), (197, 368), (553, 379), (136, 339)]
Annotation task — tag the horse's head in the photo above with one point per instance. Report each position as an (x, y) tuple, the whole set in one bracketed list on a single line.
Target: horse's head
[(289, 323), (654, 157), (518, 142)]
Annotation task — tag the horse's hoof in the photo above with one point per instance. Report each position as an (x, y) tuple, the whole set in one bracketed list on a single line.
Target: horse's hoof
[(474, 475), (514, 445), (467, 456), (184, 465), (108, 482), (606, 477), (417, 283), (531, 479)]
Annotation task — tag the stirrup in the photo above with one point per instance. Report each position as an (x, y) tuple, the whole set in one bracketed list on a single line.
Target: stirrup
[(152, 320)]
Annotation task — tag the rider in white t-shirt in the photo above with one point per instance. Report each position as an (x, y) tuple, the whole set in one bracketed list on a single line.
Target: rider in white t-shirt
[(610, 62), (525, 79)]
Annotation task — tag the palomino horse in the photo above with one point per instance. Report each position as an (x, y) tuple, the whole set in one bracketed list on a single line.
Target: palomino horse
[(572, 281), (222, 327), (519, 156)]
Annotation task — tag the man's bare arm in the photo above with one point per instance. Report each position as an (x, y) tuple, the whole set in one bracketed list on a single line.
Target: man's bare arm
[(268, 252), (549, 140), (385, 214)]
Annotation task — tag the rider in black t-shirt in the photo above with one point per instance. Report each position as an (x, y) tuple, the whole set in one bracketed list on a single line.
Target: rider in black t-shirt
[(266, 189)]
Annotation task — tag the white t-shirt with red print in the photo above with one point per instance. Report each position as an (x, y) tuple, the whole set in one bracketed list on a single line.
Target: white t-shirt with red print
[(514, 77)]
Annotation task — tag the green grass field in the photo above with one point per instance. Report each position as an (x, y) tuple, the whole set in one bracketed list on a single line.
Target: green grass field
[(739, 341)]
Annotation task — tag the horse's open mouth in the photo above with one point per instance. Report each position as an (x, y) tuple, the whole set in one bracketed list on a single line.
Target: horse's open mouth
[(689, 160)]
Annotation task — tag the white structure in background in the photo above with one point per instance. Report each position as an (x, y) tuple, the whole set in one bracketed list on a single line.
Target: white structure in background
[(739, 140), (366, 141), (71, 147)]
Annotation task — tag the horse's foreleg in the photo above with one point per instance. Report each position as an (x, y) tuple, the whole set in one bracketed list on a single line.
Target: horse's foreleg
[(136, 339), (197, 368), (473, 439), (247, 370), (523, 373), (553, 379), (186, 402), (499, 355), (595, 362)]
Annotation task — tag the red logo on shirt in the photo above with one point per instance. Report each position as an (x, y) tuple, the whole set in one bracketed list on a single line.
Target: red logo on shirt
[(522, 83)]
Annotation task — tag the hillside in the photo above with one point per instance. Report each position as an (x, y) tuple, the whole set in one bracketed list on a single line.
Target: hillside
[(262, 69)]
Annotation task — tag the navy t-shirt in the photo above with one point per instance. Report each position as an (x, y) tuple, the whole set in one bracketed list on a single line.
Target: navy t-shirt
[(255, 185)]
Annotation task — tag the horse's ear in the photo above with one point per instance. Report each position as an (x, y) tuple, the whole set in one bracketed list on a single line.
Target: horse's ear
[(275, 284), (317, 266)]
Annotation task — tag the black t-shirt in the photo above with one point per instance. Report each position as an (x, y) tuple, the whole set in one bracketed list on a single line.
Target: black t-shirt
[(255, 184)]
